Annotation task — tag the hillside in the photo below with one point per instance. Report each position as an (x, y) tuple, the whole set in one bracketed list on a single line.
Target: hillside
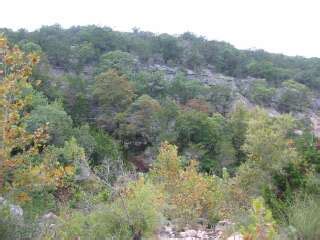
[(133, 135)]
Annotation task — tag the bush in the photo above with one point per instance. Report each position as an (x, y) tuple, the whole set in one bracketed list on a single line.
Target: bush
[(9, 229), (304, 216), (188, 193), (293, 96), (136, 211), (13, 226), (261, 93), (123, 62), (262, 226)]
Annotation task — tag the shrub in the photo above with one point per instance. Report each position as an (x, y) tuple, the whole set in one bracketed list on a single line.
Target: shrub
[(188, 193), (304, 216), (294, 96), (262, 226), (9, 229), (261, 93), (189, 199), (136, 211)]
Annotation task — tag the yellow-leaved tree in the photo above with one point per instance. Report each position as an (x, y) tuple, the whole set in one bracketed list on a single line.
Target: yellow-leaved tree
[(189, 194), (21, 167)]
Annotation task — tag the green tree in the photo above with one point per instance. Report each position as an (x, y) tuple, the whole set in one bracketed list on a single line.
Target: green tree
[(114, 93), (183, 89), (151, 83), (261, 93), (210, 136), (168, 47), (266, 141), (220, 96), (267, 70), (29, 47), (74, 91), (140, 124), (82, 54), (123, 62), (59, 122), (294, 96), (238, 124)]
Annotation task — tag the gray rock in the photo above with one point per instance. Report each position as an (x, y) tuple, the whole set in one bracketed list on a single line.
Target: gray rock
[(15, 210), (84, 172), (49, 217), (47, 225)]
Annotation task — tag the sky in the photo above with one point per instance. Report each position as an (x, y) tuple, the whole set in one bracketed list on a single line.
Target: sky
[(280, 26)]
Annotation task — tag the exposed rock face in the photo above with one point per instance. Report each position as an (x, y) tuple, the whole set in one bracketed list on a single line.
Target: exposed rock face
[(207, 76)]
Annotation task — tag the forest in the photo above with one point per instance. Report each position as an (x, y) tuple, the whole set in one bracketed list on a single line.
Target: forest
[(137, 135)]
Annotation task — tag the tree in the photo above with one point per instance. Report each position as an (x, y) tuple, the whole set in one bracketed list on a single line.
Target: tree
[(122, 62), (59, 122), (192, 58), (30, 47), (211, 137), (139, 125), (266, 141), (55, 44), (114, 93), (187, 192), (260, 93), (151, 83), (294, 96), (198, 105), (238, 124), (85, 139), (183, 89), (76, 100), (18, 171), (81, 54), (167, 118), (168, 46), (167, 166), (15, 70), (267, 70), (220, 96), (26, 164)]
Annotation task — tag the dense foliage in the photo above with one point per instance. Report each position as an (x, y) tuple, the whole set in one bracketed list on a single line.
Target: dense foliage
[(76, 47), (98, 140)]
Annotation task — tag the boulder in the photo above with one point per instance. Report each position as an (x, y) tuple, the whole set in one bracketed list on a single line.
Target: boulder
[(84, 172), (47, 224), (15, 210)]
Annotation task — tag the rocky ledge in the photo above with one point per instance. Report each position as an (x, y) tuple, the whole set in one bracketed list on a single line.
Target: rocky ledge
[(169, 232)]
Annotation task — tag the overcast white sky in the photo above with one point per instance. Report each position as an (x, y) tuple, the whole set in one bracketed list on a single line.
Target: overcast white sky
[(282, 26)]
